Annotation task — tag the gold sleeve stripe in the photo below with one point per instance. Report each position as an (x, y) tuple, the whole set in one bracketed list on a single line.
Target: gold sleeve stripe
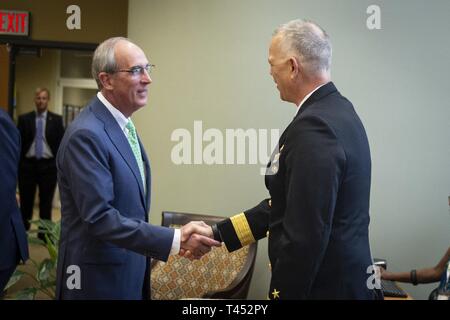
[(242, 229)]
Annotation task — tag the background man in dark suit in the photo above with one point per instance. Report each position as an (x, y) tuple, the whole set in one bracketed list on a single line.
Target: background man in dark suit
[(104, 179), (319, 181), (41, 132), (13, 238)]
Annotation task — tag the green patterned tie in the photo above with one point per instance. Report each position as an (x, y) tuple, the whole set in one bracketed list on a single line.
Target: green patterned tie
[(134, 144)]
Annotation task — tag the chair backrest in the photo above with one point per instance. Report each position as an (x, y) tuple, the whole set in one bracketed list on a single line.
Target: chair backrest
[(217, 275), (433, 294)]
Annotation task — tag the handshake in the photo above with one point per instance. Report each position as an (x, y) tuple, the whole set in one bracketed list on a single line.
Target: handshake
[(197, 239)]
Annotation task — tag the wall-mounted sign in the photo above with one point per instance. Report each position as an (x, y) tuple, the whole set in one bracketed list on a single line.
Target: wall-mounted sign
[(14, 23)]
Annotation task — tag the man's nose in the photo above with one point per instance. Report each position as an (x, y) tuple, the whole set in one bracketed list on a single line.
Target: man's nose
[(146, 77)]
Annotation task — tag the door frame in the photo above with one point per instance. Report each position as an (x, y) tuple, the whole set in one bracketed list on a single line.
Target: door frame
[(14, 44)]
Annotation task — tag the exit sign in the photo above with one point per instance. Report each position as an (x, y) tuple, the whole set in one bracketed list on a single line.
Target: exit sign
[(14, 23)]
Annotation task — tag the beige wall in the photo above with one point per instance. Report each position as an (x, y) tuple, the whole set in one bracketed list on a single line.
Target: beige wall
[(207, 69), (211, 58), (100, 19)]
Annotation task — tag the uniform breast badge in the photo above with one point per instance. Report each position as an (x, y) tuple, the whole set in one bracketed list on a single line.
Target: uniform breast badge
[(274, 167)]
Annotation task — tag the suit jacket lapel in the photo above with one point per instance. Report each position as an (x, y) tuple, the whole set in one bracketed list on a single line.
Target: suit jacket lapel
[(148, 176), (33, 125), (119, 140), (48, 124)]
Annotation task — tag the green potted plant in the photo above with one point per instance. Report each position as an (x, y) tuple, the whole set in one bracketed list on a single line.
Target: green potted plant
[(44, 275)]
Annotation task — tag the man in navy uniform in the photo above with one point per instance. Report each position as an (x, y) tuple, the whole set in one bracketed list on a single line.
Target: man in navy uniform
[(13, 238), (317, 218)]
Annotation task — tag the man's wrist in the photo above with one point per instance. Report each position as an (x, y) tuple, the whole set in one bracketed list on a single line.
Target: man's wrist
[(216, 233), (176, 242)]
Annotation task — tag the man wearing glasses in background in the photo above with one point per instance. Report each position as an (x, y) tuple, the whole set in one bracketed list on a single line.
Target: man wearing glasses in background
[(104, 180)]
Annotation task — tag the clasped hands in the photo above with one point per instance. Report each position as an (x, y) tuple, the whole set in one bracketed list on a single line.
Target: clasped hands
[(196, 240)]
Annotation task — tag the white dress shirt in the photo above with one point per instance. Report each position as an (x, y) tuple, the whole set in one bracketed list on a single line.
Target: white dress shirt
[(122, 122), (46, 151)]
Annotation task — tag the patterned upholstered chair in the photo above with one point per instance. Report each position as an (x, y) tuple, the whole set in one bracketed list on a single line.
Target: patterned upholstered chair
[(217, 275)]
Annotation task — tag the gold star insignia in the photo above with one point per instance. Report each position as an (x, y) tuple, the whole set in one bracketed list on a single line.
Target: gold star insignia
[(276, 294)]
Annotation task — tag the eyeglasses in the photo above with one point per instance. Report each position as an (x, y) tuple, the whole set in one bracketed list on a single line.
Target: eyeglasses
[(137, 70)]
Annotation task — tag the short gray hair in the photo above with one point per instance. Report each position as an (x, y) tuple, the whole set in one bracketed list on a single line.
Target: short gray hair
[(309, 42), (104, 59)]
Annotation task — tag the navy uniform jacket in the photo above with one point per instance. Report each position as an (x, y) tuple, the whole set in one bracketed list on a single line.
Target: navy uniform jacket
[(104, 229), (13, 238), (318, 215)]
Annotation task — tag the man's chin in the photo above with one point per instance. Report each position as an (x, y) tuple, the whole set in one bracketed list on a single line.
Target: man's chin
[(141, 100), (141, 104)]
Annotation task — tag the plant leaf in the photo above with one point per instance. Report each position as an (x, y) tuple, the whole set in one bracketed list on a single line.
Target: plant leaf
[(16, 276), (52, 250), (45, 268), (35, 240), (26, 294)]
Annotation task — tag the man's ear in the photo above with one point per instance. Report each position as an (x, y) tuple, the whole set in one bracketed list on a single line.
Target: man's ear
[(295, 67), (106, 80)]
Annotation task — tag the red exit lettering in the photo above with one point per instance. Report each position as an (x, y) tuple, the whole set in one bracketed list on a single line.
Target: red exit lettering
[(13, 22)]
